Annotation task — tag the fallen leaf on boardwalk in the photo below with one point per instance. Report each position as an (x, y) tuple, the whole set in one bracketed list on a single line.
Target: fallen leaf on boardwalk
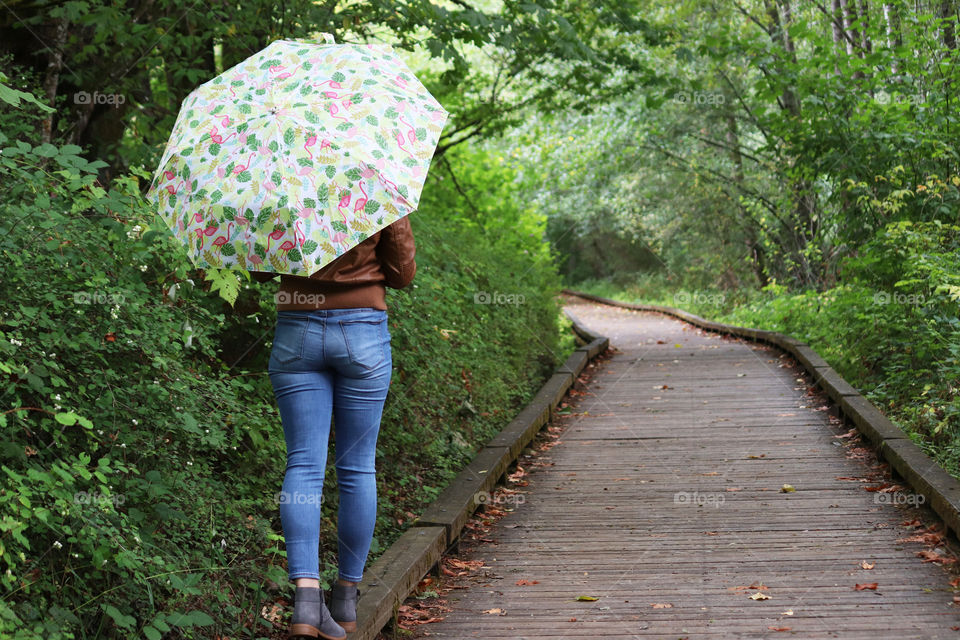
[(867, 565), (933, 556), (879, 487), (734, 488), (779, 628), (661, 605), (785, 415), (661, 342), (759, 596), (573, 619), (955, 582), (712, 473), (933, 535), (711, 533), (848, 434), (759, 586), (910, 523), (851, 478), (523, 583), (787, 488), (788, 612), (872, 586), (409, 617), (762, 455), (587, 598), (497, 612)]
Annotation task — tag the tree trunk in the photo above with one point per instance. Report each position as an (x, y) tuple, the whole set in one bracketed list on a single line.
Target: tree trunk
[(892, 22), (948, 28), (51, 79), (865, 42)]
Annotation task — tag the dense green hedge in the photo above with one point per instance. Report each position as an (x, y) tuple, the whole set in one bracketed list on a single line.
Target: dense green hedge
[(140, 446)]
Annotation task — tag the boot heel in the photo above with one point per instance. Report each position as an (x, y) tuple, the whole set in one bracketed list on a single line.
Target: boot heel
[(343, 606)]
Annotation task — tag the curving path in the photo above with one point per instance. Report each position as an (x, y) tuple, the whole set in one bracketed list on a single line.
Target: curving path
[(664, 501)]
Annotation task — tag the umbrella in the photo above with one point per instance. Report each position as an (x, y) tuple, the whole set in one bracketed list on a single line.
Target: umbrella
[(295, 155)]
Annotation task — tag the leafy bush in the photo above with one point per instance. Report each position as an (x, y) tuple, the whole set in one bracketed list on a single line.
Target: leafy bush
[(141, 449)]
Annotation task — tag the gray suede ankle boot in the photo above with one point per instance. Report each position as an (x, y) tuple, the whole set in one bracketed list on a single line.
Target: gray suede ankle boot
[(343, 605), (311, 619)]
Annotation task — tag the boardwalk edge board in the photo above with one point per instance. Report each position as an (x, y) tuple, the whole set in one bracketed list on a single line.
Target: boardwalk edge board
[(939, 489), (395, 574)]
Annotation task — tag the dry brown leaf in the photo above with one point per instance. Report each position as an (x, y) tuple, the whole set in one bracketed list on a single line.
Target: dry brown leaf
[(661, 605), (497, 611), (867, 565), (872, 586)]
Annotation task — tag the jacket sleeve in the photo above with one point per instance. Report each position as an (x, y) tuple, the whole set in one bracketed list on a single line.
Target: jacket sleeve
[(395, 251)]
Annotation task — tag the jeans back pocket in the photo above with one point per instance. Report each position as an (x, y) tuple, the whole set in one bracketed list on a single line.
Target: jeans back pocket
[(288, 339), (364, 341)]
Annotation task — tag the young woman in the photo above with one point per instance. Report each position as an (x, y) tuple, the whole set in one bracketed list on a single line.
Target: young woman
[(331, 357)]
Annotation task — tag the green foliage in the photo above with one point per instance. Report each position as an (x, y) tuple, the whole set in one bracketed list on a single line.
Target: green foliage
[(140, 445)]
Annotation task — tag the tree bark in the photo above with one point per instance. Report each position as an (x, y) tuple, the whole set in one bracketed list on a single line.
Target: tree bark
[(51, 80), (948, 28)]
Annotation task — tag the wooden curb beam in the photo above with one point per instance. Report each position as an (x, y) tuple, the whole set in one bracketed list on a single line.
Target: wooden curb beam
[(939, 489), (395, 574)]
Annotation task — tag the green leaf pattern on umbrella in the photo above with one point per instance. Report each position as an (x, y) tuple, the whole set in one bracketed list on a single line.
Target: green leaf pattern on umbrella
[(294, 156)]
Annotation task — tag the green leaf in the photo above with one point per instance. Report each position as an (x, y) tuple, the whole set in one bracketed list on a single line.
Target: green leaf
[(124, 621), (68, 419)]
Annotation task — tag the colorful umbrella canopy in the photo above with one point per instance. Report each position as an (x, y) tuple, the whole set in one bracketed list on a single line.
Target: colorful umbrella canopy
[(296, 155)]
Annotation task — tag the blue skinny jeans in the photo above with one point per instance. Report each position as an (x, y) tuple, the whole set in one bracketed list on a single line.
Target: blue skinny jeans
[(330, 362)]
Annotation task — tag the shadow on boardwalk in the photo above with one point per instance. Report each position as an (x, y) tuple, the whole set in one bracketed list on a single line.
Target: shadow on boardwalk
[(667, 497)]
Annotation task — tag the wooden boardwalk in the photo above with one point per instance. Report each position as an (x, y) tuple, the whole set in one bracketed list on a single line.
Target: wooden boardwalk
[(663, 500)]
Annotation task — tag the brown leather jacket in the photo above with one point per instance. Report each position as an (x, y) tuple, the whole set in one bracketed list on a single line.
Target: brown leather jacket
[(358, 278)]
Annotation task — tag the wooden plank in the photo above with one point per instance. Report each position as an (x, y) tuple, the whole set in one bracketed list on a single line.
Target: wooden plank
[(927, 477), (466, 492), (387, 581), (521, 430), (575, 363), (830, 381), (665, 488), (595, 347), (869, 420)]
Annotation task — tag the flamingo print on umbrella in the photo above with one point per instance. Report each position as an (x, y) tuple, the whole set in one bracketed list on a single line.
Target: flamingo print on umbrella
[(295, 155)]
